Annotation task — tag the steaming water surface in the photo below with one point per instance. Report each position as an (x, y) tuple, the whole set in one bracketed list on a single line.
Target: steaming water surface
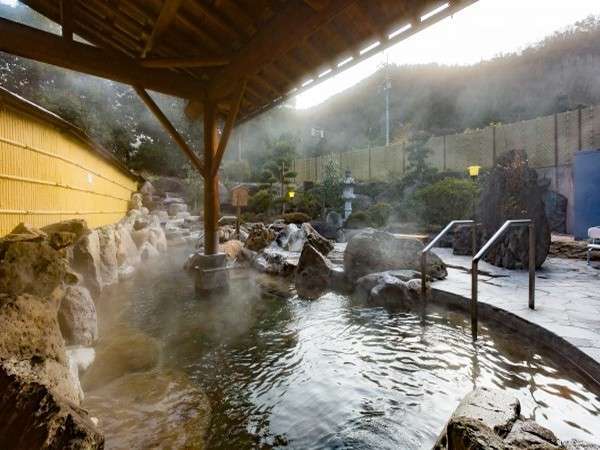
[(331, 374)]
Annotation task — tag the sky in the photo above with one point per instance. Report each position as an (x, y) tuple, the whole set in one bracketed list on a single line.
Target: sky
[(479, 32)]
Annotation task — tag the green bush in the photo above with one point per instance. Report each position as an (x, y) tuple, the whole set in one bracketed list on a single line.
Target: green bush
[(305, 202), (295, 217), (358, 219), (446, 200), (261, 202), (379, 214)]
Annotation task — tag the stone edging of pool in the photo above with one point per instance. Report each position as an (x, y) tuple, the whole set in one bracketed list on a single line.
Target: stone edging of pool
[(524, 329)]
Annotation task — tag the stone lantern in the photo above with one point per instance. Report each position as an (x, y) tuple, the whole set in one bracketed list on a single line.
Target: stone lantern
[(348, 194)]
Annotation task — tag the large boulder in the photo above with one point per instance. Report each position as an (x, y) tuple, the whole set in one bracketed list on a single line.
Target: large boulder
[(232, 249), (313, 237), (482, 415), (65, 233), (371, 251), (466, 433), (259, 237), (174, 208), (137, 201), (31, 344), (34, 416), (127, 251), (77, 317), (95, 257), (511, 191), (393, 289), (34, 268), (158, 239), (313, 273), (21, 233)]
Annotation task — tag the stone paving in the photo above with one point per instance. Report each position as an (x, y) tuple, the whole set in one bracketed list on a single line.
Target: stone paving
[(567, 295)]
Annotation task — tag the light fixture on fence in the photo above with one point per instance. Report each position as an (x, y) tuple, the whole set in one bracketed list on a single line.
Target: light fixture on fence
[(473, 171)]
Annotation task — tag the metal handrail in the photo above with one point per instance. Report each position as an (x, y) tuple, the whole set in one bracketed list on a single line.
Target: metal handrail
[(434, 241), (474, 274)]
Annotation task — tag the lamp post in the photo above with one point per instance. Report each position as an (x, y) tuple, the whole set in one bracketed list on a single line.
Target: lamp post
[(474, 174), (290, 195)]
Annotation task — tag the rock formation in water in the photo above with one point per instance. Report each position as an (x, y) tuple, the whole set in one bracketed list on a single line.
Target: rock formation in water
[(313, 274), (489, 419), (511, 191), (371, 251)]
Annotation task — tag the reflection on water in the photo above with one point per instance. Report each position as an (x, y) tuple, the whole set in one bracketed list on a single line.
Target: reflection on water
[(329, 373)]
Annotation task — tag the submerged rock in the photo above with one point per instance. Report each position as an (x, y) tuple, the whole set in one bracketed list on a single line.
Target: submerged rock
[(371, 251), (151, 410), (125, 351), (32, 416), (77, 317), (528, 434)]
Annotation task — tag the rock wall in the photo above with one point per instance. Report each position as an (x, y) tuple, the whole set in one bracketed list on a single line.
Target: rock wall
[(49, 281)]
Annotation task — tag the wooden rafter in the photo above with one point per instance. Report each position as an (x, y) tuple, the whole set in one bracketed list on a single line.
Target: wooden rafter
[(229, 124), (160, 116), (282, 34), (193, 61), (49, 48), (67, 21), (165, 18)]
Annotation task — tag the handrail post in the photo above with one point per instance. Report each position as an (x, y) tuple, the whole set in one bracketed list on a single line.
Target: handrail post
[(532, 263), (481, 253), (474, 312), (474, 238)]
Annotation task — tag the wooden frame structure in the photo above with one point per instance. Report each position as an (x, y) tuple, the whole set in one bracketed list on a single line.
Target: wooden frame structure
[(231, 59)]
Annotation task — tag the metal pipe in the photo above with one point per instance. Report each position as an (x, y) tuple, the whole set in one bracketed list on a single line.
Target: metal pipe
[(532, 263), (430, 245), (474, 313), (474, 264)]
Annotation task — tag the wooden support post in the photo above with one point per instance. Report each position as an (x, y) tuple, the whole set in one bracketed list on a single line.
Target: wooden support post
[(211, 180)]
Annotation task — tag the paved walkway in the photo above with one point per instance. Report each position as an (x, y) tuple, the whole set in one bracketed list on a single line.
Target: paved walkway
[(567, 295)]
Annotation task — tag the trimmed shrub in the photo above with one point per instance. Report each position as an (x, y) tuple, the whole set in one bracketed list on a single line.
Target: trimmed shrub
[(295, 217), (261, 202), (358, 219), (446, 200), (380, 214)]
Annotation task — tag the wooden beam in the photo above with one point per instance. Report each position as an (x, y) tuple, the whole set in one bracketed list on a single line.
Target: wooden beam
[(66, 19), (211, 181), (155, 109), (193, 61), (49, 48), (165, 18), (286, 30), (317, 5), (229, 124)]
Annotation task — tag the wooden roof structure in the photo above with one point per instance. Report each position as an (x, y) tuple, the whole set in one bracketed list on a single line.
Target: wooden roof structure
[(232, 59)]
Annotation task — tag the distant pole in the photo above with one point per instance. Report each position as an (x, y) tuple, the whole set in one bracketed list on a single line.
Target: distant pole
[(387, 114)]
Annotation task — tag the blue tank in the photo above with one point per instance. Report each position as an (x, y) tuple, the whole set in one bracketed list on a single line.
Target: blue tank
[(586, 180)]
